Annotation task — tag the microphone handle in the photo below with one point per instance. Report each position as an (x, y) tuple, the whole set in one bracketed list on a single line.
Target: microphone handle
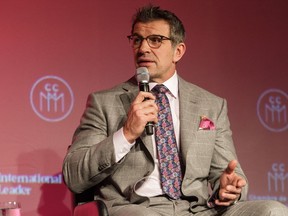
[(149, 128), (143, 86)]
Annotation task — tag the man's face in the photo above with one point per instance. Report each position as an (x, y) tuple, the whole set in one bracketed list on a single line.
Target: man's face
[(161, 62)]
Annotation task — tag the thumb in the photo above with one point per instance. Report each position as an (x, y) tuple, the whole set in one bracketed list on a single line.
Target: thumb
[(231, 166)]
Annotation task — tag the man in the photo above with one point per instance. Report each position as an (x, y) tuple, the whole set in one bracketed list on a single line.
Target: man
[(112, 152)]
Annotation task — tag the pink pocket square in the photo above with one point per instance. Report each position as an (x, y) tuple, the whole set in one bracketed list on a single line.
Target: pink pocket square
[(206, 124)]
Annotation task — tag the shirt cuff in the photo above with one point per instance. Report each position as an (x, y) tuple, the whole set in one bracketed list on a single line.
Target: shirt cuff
[(121, 145)]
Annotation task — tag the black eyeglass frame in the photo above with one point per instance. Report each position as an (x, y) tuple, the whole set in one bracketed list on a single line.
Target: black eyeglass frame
[(161, 38)]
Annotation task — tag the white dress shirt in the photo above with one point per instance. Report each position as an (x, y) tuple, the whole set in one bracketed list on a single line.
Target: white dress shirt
[(152, 185)]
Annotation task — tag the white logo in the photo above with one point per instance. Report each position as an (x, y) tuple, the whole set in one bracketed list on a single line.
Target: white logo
[(277, 178), (272, 110), (51, 98)]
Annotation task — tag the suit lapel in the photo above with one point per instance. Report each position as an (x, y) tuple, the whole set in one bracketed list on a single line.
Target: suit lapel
[(130, 89), (130, 92), (189, 116)]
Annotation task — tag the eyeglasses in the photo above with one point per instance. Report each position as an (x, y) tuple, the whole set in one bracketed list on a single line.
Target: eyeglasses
[(154, 41)]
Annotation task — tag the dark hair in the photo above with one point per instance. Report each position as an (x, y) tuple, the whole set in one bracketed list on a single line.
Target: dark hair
[(151, 13)]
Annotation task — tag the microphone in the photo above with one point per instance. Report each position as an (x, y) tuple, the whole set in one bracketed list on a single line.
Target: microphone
[(142, 76)]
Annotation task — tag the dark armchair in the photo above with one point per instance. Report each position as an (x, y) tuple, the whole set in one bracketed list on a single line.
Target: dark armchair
[(85, 205)]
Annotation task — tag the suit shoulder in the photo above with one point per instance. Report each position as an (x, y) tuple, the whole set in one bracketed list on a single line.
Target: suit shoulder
[(121, 88), (200, 92), (205, 93)]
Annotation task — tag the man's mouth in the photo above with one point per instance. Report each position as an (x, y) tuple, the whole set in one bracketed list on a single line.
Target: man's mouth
[(143, 62)]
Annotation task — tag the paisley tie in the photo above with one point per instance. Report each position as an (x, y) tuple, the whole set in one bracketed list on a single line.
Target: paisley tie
[(168, 156)]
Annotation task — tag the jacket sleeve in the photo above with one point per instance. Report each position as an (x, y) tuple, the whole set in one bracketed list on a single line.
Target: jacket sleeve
[(224, 152), (91, 158)]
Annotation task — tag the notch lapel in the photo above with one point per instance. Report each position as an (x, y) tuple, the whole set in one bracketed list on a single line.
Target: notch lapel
[(131, 91), (189, 116)]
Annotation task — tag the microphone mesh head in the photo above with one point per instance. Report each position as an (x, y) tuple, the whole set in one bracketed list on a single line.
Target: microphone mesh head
[(142, 74)]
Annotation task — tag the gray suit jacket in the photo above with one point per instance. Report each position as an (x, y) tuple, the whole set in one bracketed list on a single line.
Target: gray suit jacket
[(90, 160)]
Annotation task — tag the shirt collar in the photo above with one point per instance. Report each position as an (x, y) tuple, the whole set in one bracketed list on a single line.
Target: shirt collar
[(171, 84)]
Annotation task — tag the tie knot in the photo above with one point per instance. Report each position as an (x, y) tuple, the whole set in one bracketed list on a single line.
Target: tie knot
[(160, 89)]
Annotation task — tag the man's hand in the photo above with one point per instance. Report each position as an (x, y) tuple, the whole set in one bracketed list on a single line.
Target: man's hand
[(141, 111), (230, 185)]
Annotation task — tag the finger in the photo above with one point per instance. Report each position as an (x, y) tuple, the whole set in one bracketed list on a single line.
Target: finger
[(229, 197), (144, 96), (150, 114), (148, 108), (241, 183), (233, 190), (231, 166), (226, 198), (150, 103), (223, 203), (145, 106), (230, 193)]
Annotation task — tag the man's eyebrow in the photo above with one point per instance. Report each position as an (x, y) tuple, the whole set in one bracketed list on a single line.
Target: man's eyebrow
[(136, 34)]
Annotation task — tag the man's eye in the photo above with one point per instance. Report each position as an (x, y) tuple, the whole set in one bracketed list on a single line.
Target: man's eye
[(137, 40), (155, 39)]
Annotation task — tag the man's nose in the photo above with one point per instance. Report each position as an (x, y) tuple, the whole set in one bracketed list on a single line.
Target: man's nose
[(144, 46)]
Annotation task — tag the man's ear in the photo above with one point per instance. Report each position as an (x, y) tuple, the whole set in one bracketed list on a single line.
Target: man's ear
[(179, 52)]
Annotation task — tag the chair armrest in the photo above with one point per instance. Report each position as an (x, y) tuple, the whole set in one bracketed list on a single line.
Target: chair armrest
[(92, 208)]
